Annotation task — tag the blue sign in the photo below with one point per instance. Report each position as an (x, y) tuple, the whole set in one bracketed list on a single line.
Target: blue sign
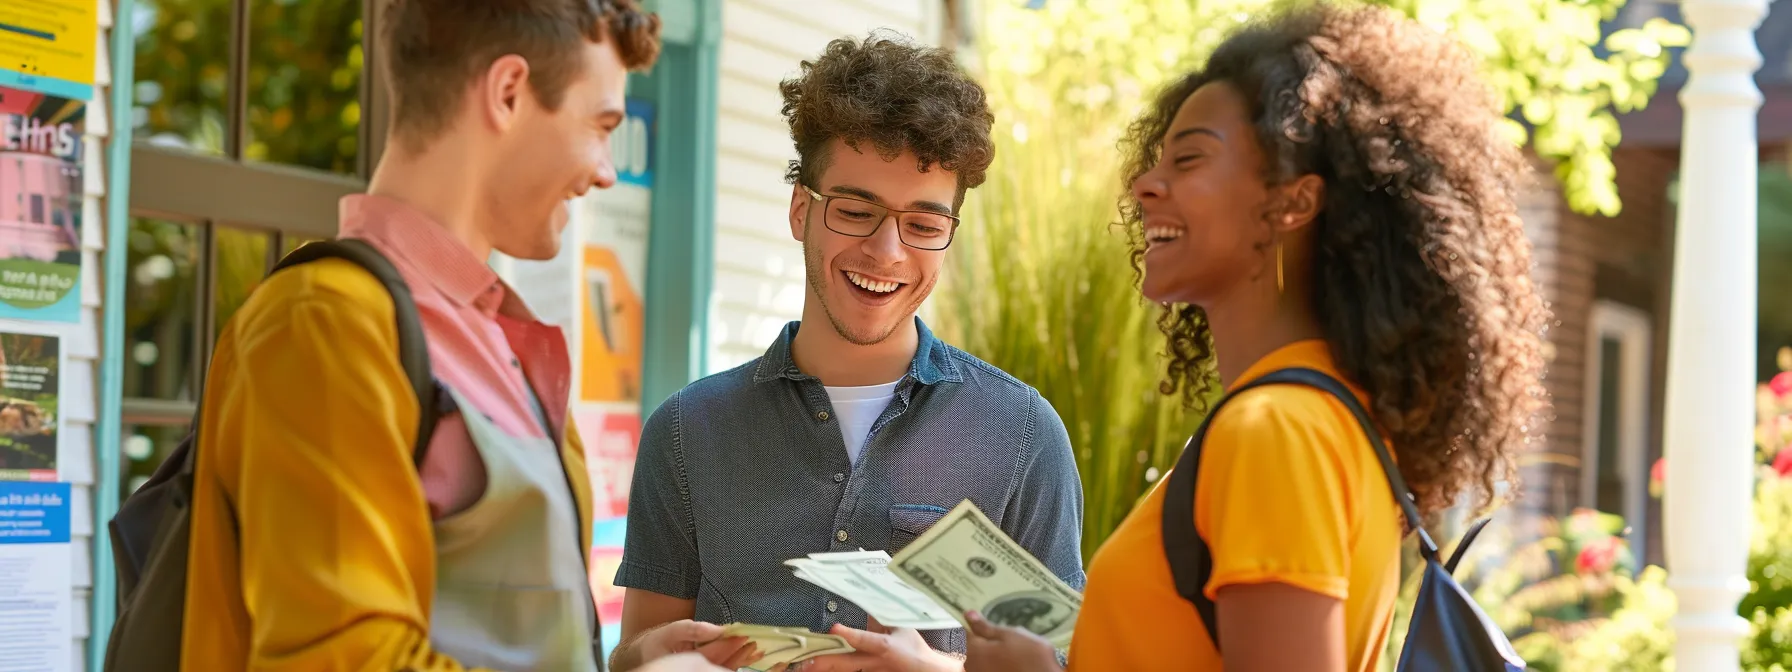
[(34, 513), (631, 145)]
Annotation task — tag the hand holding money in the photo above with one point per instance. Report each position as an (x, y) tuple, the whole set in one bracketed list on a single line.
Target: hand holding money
[(684, 636), (997, 648), (898, 650), (784, 646), (964, 563)]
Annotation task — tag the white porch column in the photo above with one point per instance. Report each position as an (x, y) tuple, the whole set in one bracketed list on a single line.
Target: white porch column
[(1711, 357)]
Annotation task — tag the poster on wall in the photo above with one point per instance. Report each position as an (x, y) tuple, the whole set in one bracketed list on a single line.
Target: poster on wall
[(30, 365), (35, 560), (40, 205), (49, 46), (611, 272)]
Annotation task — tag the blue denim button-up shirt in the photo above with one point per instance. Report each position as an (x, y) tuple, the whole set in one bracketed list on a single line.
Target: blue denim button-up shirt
[(745, 469)]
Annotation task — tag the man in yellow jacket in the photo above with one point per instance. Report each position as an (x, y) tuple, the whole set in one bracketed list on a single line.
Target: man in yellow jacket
[(316, 543)]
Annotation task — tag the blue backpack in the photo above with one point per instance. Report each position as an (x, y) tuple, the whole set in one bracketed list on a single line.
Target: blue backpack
[(1448, 631)]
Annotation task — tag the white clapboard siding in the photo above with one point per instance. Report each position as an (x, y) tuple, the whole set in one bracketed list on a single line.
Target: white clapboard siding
[(80, 383), (758, 279)]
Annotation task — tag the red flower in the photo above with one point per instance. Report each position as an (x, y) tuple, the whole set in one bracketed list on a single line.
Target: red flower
[(1598, 556), (1781, 384), (1782, 462), (1658, 476)]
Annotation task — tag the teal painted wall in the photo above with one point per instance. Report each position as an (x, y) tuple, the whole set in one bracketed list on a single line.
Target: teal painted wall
[(104, 600), (680, 254)]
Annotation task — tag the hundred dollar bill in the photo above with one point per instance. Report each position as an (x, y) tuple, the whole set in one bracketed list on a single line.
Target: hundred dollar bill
[(965, 562)]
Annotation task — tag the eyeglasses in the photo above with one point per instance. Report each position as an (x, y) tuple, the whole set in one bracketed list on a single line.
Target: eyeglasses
[(919, 229)]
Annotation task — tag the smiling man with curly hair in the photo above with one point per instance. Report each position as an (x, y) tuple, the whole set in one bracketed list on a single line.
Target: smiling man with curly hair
[(857, 429)]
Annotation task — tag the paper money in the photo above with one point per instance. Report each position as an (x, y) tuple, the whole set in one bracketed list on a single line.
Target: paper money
[(864, 578), (785, 645), (965, 562)]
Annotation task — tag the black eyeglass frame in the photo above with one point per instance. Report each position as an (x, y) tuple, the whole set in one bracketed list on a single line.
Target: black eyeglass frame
[(889, 213)]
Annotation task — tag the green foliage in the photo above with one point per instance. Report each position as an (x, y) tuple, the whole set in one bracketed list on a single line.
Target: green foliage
[(1635, 637), (304, 77), (1056, 305), (1770, 551), (1041, 285), (1543, 62), (1564, 613), (1572, 600), (1768, 605), (1769, 645)]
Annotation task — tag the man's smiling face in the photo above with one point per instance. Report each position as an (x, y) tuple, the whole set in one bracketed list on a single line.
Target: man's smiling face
[(869, 286)]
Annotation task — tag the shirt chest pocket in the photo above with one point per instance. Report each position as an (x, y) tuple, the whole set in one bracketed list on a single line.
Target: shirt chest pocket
[(908, 521)]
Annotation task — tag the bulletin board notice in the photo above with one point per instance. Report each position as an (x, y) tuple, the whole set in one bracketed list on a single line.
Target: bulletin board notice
[(49, 46), (37, 613)]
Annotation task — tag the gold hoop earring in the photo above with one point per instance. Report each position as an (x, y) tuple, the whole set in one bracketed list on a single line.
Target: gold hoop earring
[(1278, 267)]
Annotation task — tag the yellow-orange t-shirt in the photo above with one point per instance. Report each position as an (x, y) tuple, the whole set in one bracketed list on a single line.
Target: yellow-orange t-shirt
[(1289, 492)]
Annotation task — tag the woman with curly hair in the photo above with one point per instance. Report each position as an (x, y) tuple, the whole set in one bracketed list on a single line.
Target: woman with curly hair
[(1329, 192)]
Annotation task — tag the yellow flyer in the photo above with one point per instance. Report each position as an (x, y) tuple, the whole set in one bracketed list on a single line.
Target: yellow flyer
[(48, 46)]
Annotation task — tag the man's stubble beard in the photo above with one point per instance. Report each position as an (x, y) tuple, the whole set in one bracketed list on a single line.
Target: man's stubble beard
[(818, 284)]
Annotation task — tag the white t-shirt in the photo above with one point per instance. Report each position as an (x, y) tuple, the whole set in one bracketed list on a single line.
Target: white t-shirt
[(857, 408)]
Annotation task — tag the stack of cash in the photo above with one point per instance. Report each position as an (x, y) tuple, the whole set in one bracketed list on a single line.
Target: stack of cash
[(864, 578), (782, 645), (963, 563)]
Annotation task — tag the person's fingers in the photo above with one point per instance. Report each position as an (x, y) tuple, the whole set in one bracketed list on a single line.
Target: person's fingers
[(872, 625), (742, 657), (980, 627), (724, 650), (694, 632), (841, 662), (865, 642)]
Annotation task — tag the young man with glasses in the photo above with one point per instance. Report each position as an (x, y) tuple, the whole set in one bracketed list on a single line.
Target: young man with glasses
[(857, 428)]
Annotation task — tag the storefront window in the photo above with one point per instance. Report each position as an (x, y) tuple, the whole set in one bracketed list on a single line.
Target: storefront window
[(161, 310), (182, 73), (255, 83), (145, 447), (305, 63)]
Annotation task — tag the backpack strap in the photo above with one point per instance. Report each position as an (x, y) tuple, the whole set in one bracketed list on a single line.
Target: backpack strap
[(413, 349), (1191, 561)]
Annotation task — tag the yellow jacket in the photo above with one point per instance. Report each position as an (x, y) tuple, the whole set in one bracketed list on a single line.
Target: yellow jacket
[(312, 547)]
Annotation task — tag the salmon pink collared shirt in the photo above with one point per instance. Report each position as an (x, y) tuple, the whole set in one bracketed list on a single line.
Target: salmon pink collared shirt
[(483, 342)]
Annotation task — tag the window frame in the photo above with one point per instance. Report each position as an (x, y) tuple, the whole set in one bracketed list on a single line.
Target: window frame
[(1633, 330), (278, 200)]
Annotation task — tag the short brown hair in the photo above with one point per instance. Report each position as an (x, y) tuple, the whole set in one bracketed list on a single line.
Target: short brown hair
[(433, 48), (898, 96)]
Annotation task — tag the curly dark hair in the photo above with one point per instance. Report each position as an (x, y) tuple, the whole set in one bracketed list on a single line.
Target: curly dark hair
[(897, 96), (1421, 275)]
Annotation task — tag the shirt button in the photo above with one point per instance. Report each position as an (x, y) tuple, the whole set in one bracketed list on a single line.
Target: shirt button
[(841, 535), (833, 606), (839, 478), (821, 415)]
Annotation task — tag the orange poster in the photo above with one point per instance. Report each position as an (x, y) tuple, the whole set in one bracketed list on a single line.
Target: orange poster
[(610, 342)]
